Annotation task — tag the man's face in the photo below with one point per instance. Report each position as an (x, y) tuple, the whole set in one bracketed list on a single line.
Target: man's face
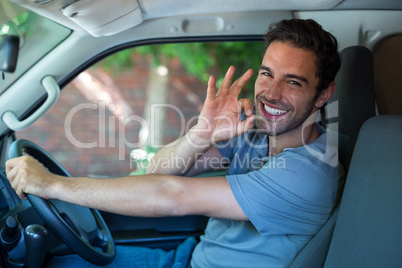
[(285, 89)]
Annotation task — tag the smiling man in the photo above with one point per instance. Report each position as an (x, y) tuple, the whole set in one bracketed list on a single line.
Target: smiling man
[(286, 94), (280, 186)]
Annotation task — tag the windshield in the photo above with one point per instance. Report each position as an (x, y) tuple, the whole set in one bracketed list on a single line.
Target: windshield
[(38, 36)]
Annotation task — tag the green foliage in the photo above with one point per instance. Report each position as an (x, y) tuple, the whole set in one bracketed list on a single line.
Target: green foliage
[(18, 25), (242, 55), (195, 57), (198, 59), (142, 163), (118, 62)]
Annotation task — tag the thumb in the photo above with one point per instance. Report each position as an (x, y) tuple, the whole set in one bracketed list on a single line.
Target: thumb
[(246, 124)]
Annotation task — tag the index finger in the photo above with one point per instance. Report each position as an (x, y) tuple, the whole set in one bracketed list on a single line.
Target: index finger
[(239, 84), (227, 81), (211, 90)]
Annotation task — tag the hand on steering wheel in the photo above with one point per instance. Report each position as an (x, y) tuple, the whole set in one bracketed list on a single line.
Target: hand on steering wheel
[(80, 228)]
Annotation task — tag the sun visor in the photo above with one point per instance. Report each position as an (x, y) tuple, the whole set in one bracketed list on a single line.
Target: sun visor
[(102, 17)]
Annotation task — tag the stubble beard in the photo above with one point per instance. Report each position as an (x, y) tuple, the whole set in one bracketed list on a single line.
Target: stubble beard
[(283, 124)]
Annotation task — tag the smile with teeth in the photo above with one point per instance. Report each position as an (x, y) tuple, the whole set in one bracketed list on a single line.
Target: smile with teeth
[(274, 111)]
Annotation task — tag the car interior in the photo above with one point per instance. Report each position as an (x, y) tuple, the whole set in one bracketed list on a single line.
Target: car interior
[(81, 79)]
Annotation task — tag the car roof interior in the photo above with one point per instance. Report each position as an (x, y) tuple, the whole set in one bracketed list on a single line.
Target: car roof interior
[(77, 14)]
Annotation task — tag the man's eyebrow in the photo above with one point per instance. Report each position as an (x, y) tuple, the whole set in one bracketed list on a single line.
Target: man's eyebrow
[(265, 68), (293, 76)]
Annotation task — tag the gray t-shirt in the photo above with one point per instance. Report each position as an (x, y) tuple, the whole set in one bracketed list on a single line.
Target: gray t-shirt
[(287, 199)]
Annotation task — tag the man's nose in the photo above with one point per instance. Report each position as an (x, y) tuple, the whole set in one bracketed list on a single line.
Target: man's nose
[(274, 91)]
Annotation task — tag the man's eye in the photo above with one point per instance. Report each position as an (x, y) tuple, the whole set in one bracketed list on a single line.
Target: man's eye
[(293, 82), (266, 74)]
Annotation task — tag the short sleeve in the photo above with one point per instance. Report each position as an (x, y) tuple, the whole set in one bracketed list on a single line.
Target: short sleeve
[(226, 148), (288, 195)]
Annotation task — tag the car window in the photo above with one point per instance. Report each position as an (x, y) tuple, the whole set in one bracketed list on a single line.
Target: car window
[(115, 115), (37, 35)]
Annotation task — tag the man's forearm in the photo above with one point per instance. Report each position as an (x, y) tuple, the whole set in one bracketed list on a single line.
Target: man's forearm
[(149, 195), (178, 157), (144, 195)]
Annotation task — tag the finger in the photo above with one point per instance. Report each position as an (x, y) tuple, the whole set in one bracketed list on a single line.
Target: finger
[(239, 84), (19, 182), (17, 186), (12, 168), (10, 164), (227, 81), (14, 182), (11, 174), (20, 191), (247, 105), (246, 125), (211, 90)]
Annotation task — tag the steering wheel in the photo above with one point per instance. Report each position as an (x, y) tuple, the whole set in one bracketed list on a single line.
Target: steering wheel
[(80, 228)]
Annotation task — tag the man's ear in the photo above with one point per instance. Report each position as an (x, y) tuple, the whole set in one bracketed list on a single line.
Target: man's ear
[(325, 95)]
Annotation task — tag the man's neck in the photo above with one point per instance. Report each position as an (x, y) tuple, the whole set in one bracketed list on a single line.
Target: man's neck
[(292, 139)]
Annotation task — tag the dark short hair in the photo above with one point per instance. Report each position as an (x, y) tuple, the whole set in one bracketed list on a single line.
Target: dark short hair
[(309, 35)]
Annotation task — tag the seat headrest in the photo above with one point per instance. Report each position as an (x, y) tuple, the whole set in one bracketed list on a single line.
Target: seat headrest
[(354, 100)]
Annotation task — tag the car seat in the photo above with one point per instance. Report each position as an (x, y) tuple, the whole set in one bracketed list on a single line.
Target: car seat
[(368, 230), (351, 105)]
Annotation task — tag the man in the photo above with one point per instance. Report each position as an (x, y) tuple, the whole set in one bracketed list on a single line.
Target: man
[(280, 188)]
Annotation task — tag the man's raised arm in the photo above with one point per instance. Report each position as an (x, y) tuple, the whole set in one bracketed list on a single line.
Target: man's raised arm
[(219, 120)]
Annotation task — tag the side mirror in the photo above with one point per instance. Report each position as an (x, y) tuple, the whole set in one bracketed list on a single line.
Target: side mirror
[(9, 47)]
